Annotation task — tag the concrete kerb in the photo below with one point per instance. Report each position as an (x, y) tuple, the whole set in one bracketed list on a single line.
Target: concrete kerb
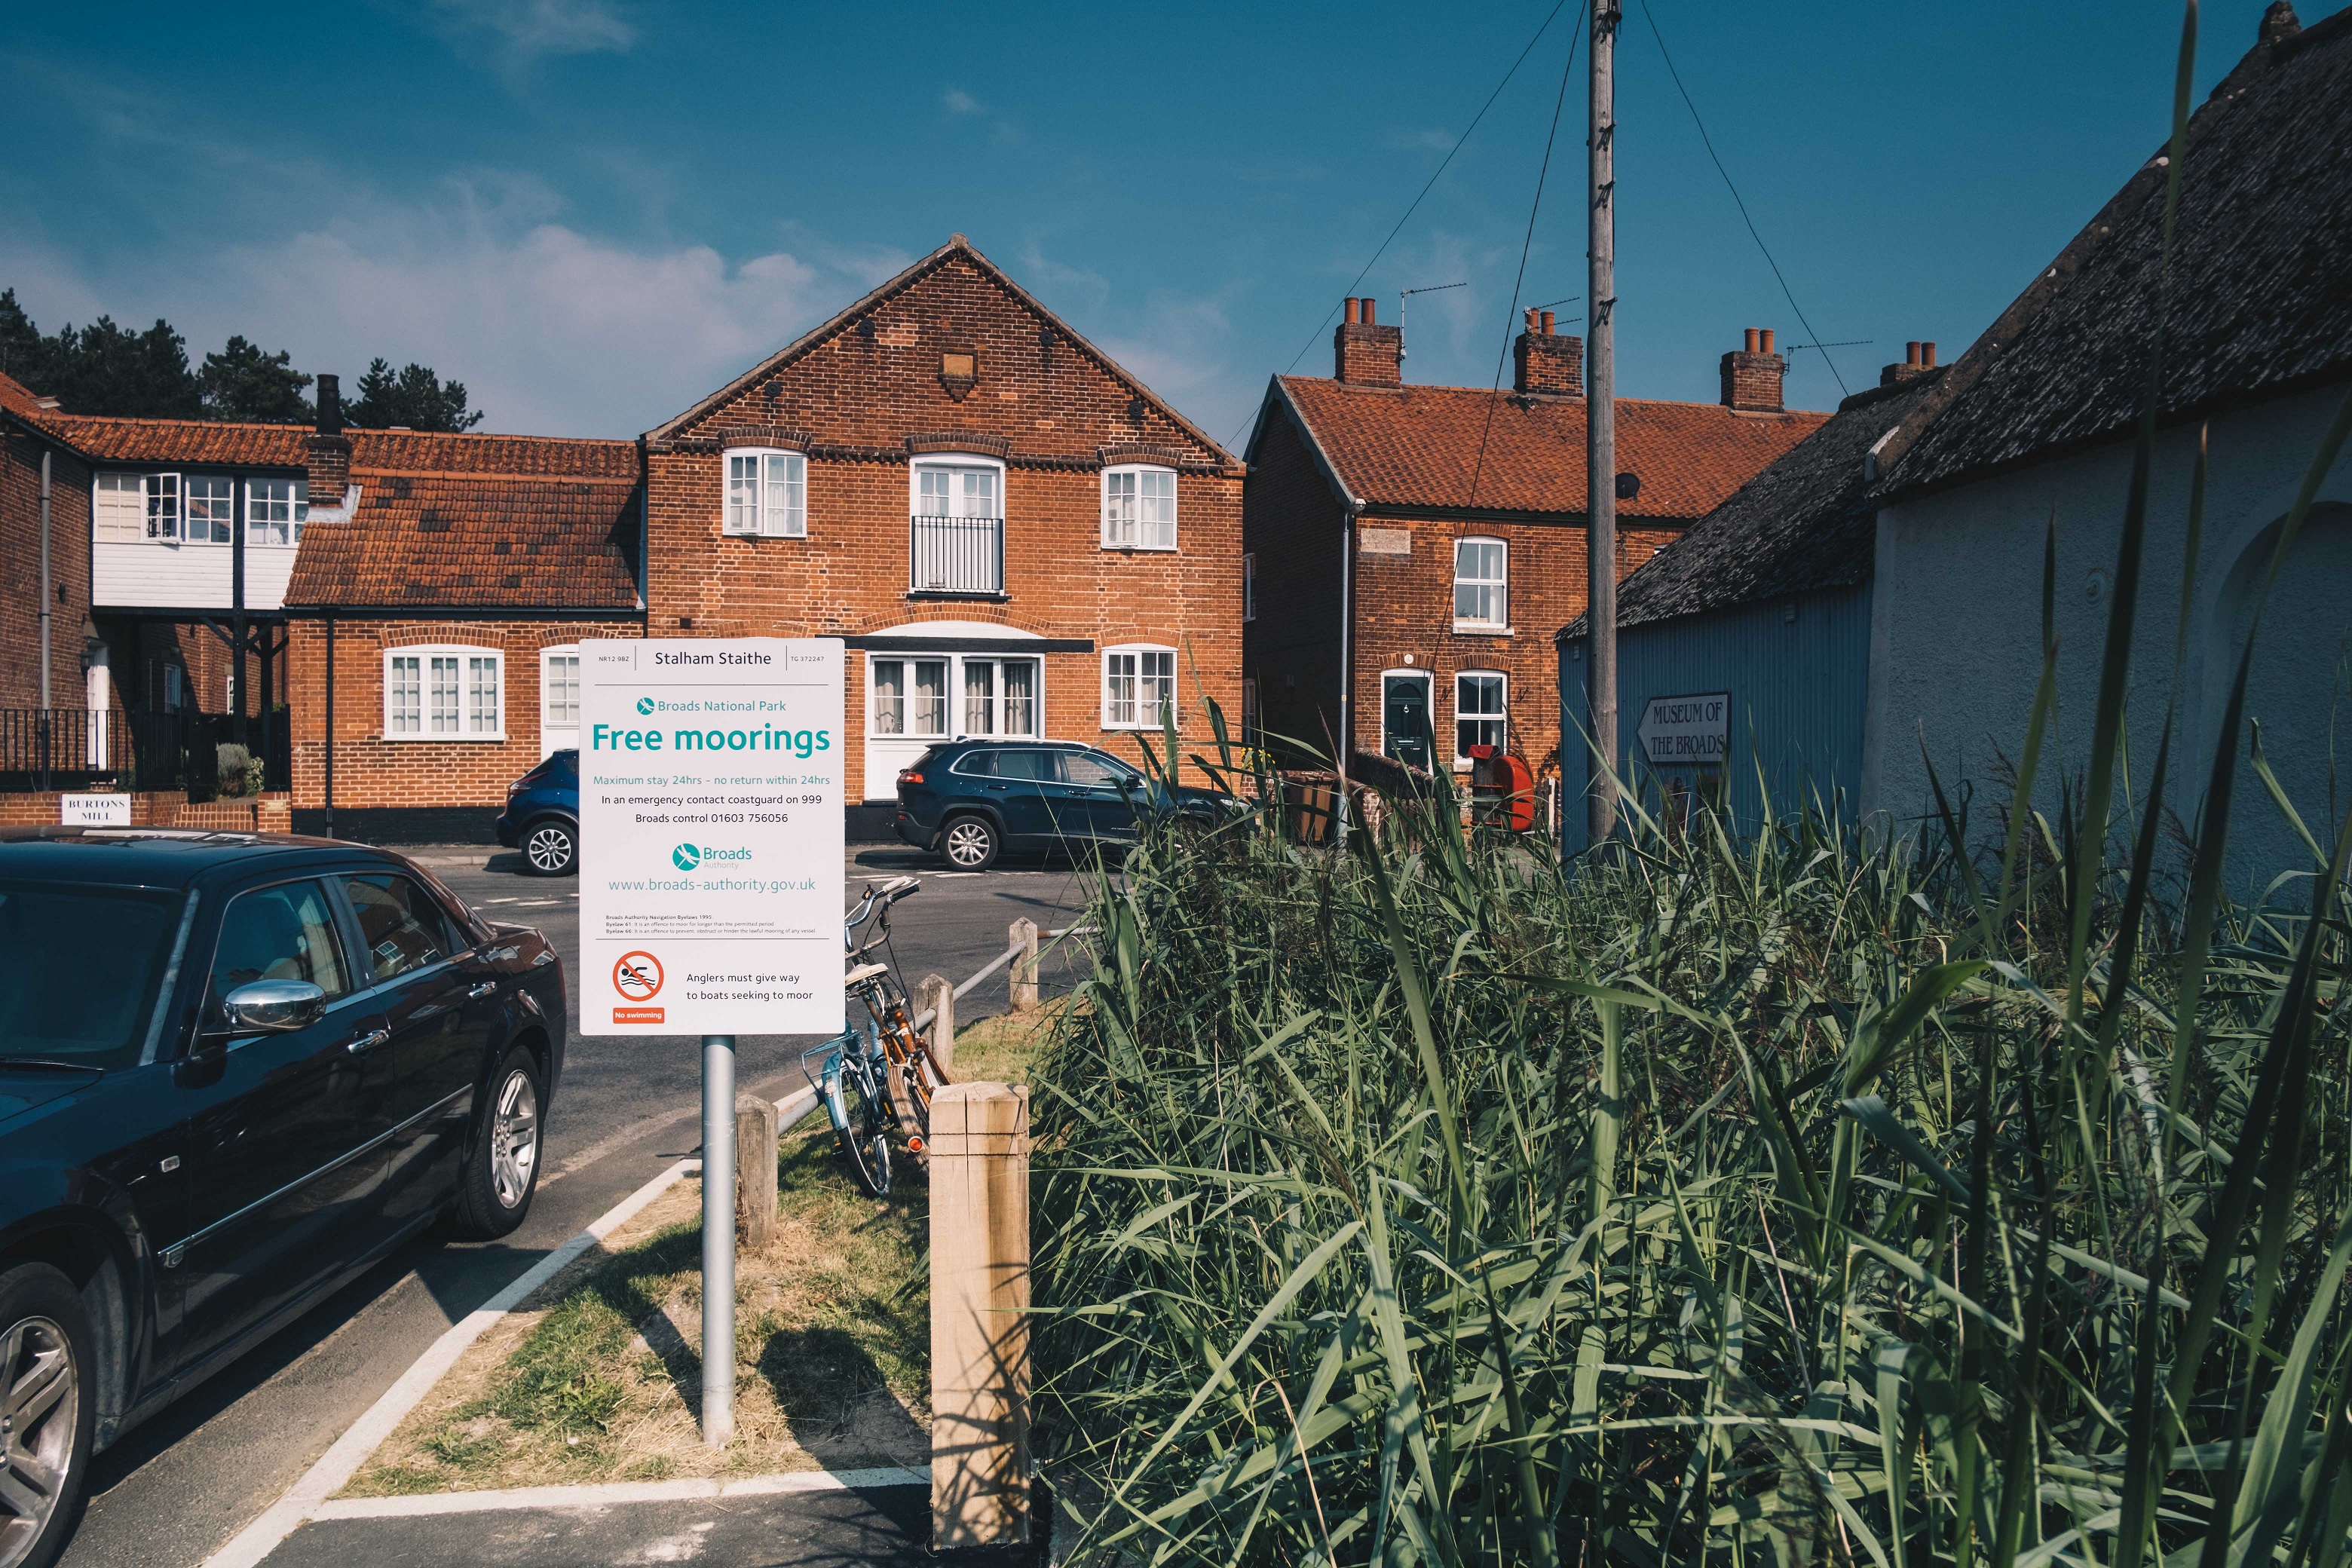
[(308, 1497)]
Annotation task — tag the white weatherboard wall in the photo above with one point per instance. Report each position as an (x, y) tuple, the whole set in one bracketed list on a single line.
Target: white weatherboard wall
[(710, 835), (1955, 637), (175, 574)]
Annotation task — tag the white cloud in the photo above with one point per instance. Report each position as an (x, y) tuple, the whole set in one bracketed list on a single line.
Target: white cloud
[(531, 29), (955, 101), (552, 331)]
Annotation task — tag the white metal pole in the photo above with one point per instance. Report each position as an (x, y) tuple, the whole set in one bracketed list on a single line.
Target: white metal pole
[(1601, 428), (717, 1240)]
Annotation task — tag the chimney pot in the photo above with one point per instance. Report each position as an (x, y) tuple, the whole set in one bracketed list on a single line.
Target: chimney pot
[(1768, 340), (330, 406), (1368, 320), (1911, 352), (1548, 327), (1751, 345), (1534, 321), (1353, 310), (1929, 348)]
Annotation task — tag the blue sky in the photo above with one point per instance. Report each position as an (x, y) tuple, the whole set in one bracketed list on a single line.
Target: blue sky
[(592, 212)]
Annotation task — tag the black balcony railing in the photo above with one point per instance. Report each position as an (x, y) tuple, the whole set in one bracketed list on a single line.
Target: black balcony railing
[(956, 556), (74, 748)]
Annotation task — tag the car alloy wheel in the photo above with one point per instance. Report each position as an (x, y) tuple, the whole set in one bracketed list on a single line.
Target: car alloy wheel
[(40, 1400), (549, 848), (514, 1139), (971, 844)]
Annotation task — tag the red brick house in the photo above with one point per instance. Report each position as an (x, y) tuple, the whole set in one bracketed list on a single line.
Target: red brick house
[(1012, 534), (444, 585), (1408, 547)]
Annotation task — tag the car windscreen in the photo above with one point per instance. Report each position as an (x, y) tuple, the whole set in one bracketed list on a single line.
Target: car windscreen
[(81, 968)]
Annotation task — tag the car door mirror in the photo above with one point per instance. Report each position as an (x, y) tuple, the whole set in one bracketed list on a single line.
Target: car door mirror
[(273, 1006)]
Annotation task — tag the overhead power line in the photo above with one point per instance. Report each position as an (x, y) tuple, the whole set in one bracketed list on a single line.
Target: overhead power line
[(1708, 142), (1535, 205), (1549, 17)]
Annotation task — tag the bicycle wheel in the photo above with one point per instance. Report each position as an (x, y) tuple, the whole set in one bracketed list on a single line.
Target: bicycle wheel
[(859, 1120)]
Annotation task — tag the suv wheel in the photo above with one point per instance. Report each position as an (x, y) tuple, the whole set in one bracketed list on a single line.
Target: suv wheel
[(970, 843), (501, 1169), (551, 848), (47, 1413)]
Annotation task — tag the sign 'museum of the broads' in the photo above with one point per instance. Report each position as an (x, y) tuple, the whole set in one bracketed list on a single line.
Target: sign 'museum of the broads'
[(710, 817), (1692, 728)]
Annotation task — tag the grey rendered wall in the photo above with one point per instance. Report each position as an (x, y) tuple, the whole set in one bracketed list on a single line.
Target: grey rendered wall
[(1957, 625), (1799, 692)]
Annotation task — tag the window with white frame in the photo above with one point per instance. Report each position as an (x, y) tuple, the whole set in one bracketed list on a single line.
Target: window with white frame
[(909, 697), (211, 514), (1138, 509), (1482, 584), (444, 694), (558, 687), (118, 506), (1139, 688), (276, 509), (1249, 587), (968, 694), (767, 493), (1479, 711)]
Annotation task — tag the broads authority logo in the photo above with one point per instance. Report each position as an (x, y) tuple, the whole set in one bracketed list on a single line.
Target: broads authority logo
[(689, 856)]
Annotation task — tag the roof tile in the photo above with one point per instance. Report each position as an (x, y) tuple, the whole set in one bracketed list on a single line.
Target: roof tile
[(1424, 446)]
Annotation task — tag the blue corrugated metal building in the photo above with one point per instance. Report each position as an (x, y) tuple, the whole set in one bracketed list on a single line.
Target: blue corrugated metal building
[(1744, 644)]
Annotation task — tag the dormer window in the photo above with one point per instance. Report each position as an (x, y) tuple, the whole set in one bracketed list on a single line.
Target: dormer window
[(1139, 508), (767, 493)]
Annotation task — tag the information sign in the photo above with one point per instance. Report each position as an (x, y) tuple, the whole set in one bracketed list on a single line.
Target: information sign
[(1686, 730), (711, 837), (94, 810)]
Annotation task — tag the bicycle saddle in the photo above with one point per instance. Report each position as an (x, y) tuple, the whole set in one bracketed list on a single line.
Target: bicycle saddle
[(864, 972), (900, 887)]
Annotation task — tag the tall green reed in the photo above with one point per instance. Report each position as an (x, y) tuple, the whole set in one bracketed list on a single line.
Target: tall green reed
[(1729, 1198)]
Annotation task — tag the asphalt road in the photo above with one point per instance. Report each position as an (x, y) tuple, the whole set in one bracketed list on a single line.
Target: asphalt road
[(181, 1486)]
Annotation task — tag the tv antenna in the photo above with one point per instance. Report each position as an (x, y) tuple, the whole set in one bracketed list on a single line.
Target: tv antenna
[(1404, 294)]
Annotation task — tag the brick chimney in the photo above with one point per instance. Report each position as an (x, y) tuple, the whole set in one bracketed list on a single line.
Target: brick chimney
[(330, 450), (1752, 376), (1918, 359), (1545, 364), (1364, 353)]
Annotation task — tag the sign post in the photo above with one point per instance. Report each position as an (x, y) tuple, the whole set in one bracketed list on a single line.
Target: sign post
[(1687, 731), (710, 846)]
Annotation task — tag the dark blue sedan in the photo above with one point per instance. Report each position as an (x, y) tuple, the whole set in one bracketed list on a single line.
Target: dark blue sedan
[(972, 800), (234, 1071), (542, 816)]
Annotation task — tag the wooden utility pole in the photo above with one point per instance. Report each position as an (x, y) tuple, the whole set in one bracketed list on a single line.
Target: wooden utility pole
[(1601, 428)]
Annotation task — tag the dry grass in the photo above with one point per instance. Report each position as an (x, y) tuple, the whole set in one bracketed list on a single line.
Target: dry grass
[(598, 1376)]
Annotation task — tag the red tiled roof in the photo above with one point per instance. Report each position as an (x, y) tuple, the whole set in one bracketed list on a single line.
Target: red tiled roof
[(524, 541), (16, 399), (418, 452), (1417, 446), (108, 439)]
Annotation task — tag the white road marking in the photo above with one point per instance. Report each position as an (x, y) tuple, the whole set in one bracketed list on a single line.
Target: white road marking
[(307, 1498), (612, 1492)]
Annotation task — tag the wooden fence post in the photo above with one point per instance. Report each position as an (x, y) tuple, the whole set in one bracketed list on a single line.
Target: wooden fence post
[(1022, 933), (938, 993), (755, 1172), (980, 1324)]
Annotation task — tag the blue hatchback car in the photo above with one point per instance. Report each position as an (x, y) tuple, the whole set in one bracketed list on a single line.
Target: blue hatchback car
[(542, 816)]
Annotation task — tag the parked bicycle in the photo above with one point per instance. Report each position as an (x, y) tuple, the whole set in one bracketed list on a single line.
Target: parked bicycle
[(881, 1078)]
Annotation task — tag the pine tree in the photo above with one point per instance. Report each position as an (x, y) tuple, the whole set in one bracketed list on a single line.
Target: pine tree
[(412, 397), (106, 369), (244, 383)]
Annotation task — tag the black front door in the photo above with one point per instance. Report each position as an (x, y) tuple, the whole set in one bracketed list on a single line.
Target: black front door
[(285, 1130), (438, 1010), (1404, 718)]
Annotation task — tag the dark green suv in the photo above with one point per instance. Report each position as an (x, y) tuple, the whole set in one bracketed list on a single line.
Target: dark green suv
[(972, 801)]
